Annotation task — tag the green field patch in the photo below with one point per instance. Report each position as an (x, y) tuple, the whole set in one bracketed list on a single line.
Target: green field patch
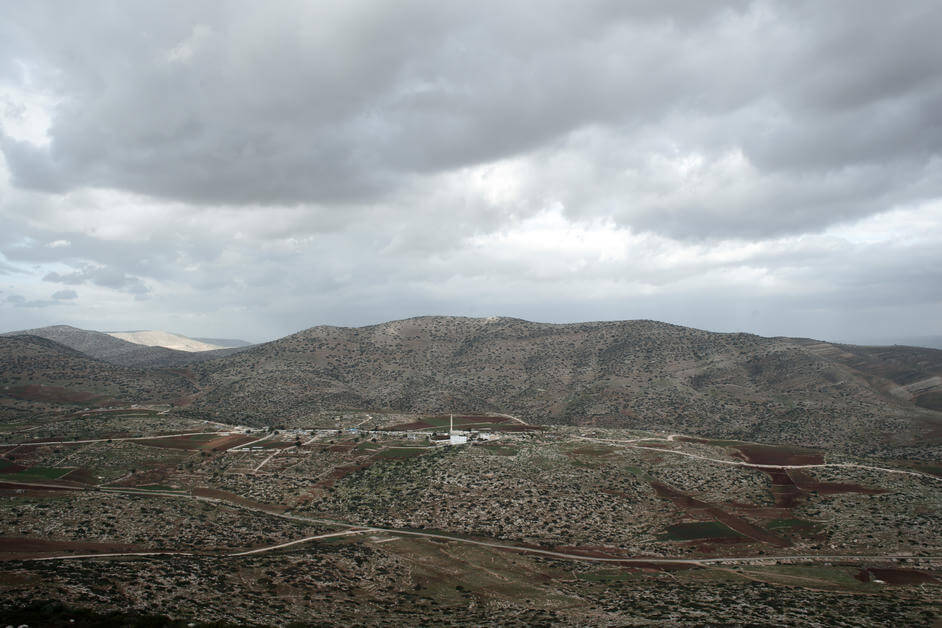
[(157, 487), (699, 530), (791, 525), (813, 576), (931, 469), (639, 473), (6, 464), (368, 446), (395, 453), (40, 473)]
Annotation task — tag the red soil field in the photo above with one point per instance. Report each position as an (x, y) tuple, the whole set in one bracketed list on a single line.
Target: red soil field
[(13, 548), (342, 447), (186, 442), (481, 419), (778, 455), (896, 576), (80, 475), (689, 504), (339, 473), (415, 425), (227, 442), (276, 444), (806, 482), (473, 418)]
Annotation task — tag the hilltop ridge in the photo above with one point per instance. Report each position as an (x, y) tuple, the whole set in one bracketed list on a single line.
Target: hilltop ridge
[(611, 373)]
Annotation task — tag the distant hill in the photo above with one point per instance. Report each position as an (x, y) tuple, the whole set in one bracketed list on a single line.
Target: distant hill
[(228, 343), (931, 342), (36, 373), (638, 374), (106, 347), (641, 374), (152, 338)]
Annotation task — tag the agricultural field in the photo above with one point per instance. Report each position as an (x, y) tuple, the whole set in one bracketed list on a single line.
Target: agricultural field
[(387, 522)]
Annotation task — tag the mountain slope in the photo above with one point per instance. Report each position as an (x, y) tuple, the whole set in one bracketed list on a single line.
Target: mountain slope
[(37, 373), (641, 374), (105, 347)]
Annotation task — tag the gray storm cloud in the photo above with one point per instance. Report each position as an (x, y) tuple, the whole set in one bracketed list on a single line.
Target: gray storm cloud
[(359, 161)]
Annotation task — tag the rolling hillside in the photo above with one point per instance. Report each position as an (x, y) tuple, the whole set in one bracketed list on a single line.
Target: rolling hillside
[(642, 374), (38, 375)]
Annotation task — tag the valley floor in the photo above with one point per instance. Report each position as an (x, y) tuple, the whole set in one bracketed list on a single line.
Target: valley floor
[(375, 518)]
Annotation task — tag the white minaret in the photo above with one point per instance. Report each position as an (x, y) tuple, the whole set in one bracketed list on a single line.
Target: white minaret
[(451, 424)]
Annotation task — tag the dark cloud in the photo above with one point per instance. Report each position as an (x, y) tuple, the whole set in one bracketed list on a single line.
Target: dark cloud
[(247, 103)]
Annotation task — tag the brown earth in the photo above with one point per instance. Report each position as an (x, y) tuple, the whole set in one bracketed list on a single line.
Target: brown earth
[(414, 425), (80, 475), (342, 447), (778, 455), (178, 442), (690, 504), (806, 482), (896, 576), (227, 442), (15, 548), (12, 468)]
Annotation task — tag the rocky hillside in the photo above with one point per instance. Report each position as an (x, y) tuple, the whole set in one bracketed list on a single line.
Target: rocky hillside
[(632, 374), (37, 375), (106, 347)]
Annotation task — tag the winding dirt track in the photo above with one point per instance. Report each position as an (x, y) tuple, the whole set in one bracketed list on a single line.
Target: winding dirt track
[(351, 529), (752, 465)]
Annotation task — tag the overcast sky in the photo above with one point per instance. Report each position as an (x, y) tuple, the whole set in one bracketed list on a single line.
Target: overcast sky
[(250, 169)]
